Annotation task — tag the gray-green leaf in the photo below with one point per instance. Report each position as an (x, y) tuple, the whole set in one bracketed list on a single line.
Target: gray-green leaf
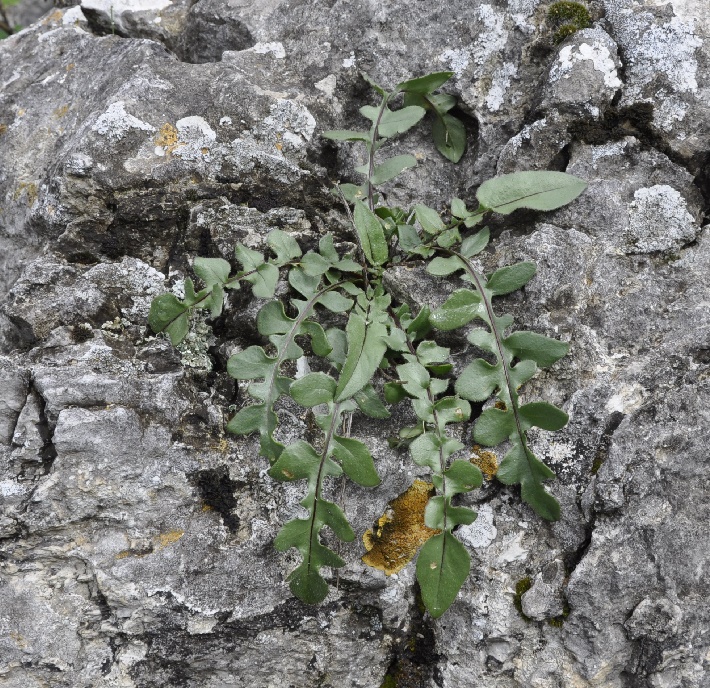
[(541, 190)]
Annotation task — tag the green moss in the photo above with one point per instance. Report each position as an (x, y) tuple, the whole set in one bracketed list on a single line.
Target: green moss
[(558, 621), (521, 587), (568, 18), (389, 682), (598, 463)]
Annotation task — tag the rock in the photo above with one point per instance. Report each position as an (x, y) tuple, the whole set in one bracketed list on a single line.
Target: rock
[(544, 600), (136, 534)]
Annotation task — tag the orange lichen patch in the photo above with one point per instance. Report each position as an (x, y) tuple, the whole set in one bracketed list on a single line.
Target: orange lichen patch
[(70, 66), (487, 461), (501, 405), (61, 111), (400, 531), (170, 537), (3, 129), (124, 554), (167, 137), (207, 507)]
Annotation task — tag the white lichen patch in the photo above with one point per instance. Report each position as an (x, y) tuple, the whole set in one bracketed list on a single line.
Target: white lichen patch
[(327, 85), (72, 16), (289, 123), (608, 150), (493, 36), (482, 531), (195, 137), (10, 488), (115, 123), (659, 220), (626, 400), (457, 59), (501, 83), (194, 348), (597, 53), (275, 48), (113, 10)]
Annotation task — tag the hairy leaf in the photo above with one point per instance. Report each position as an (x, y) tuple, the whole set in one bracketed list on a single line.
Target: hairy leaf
[(211, 270), (535, 190), (449, 137), (371, 235), (442, 567), (425, 84), (389, 169), (511, 278), (399, 121)]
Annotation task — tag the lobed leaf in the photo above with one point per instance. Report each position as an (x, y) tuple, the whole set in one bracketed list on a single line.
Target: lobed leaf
[(529, 345), (211, 270)]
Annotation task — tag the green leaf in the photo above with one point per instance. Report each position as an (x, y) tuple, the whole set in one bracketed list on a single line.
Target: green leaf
[(177, 330), (399, 121), (542, 415), (478, 380), (536, 190), (452, 410), (299, 461), (307, 584), (493, 426), (429, 219), (521, 466), (356, 460), (449, 137), (250, 364), (462, 476), (441, 102), (473, 245), (369, 403), (250, 419), (314, 265), (389, 169), (165, 310), (284, 246), (440, 267), (458, 310), (320, 343), (352, 192), (425, 451), (313, 389), (442, 567), (272, 319), (303, 283), (458, 208), (425, 84), (346, 135), (394, 392), (536, 347), (217, 300), (408, 237), (373, 83), (371, 235), (511, 278), (211, 270), (420, 326), (429, 352), (366, 347), (336, 302)]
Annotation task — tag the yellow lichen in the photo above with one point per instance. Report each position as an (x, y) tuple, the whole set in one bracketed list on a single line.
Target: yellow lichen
[(170, 537), (61, 111), (486, 460), (167, 138), (29, 189), (400, 531), (3, 129)]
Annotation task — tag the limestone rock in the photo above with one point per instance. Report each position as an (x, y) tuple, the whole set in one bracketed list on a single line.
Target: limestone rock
[(136, 535)]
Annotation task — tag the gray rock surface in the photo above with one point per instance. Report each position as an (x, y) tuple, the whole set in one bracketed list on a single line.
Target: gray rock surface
[(135, 534)]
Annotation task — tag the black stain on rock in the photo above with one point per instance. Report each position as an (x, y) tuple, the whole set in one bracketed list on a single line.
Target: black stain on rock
[(217, 492)]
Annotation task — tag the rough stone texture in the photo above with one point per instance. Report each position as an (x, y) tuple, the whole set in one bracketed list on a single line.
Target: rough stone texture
[(135, 535)]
